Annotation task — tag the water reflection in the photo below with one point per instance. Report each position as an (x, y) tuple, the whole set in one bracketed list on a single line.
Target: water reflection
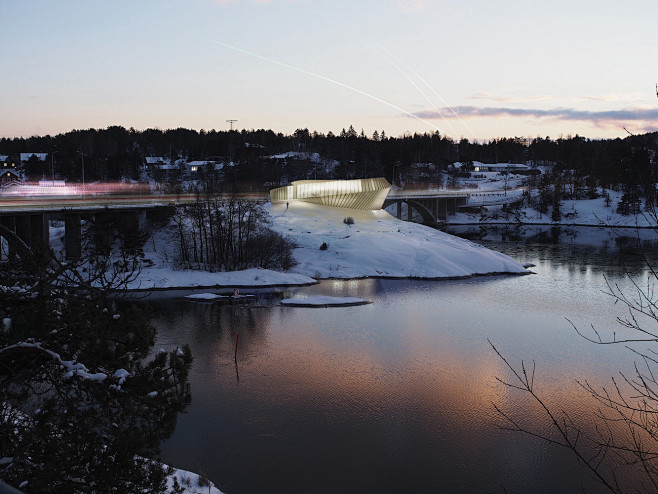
[(395, 396)]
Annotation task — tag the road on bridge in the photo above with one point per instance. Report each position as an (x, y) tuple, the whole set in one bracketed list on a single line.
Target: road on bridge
[(123, 201)]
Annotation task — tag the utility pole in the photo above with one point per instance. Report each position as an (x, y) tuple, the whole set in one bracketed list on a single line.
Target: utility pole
[(231, 148)]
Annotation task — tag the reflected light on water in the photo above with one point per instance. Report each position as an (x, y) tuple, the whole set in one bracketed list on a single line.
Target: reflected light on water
[(397, 395)]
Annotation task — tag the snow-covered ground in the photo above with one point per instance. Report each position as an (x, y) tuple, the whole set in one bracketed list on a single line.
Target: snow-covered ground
[(165, 277), (191, 483), (589, 212), (376, 245), (379, 245)]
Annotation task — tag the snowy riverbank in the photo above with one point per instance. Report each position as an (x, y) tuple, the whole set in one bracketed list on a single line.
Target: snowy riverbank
[(164, 278), (376, 245)]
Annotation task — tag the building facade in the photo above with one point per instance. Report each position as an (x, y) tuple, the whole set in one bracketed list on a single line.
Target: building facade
[(364, 193)]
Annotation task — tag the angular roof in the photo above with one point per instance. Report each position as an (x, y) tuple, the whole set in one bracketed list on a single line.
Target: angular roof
[(40, 156)]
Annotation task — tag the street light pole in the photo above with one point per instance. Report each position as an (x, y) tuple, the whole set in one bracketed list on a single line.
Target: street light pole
[(393, 177), (52, 167), (82, 156)]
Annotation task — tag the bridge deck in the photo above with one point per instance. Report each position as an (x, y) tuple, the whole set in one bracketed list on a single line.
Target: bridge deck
[(427, 194), (91, 203)]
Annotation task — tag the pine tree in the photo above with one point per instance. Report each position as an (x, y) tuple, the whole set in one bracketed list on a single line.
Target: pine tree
[(82, 408)]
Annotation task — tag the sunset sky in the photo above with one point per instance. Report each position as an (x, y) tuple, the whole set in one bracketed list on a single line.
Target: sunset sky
[(477, 69)]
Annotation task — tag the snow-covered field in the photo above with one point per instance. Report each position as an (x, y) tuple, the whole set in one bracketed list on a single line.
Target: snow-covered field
[(379, 245)]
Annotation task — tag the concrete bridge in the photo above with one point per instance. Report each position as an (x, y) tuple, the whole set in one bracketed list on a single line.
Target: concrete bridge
[(436, 205), (24, 221), (432, 205)]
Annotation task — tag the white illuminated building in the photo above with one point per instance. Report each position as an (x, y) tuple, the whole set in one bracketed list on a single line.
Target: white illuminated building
[(364, 193)]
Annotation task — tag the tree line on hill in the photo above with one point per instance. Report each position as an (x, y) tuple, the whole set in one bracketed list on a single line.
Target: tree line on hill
[(117, 152)]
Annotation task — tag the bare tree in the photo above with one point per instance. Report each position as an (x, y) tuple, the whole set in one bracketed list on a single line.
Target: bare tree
[(619, 442), (226, 233)]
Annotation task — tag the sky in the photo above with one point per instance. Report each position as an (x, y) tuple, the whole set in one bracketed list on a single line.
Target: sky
[(475, 69)]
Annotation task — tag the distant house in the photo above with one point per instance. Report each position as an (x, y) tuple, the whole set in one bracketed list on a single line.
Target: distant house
[(420, 172), (8, 176), (159, 167), (499, 167), (192, 168), (154, 160), (496, 167), (27, 156), (6, 163)]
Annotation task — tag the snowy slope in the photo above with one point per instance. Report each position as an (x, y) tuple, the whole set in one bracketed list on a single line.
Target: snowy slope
[(377, 244)]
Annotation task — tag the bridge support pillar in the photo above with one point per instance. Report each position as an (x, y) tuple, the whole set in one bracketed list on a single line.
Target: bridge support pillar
[(72, 236), (441, 209), (39, 230), (22, 229), (130, 228), (399, 203), (31, 229), (409, 212), (103, 232)]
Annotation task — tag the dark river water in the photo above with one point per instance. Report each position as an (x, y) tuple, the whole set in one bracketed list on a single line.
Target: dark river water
[(397, 395)]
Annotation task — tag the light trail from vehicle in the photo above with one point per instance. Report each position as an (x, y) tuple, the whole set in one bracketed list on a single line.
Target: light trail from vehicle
[(42, 196), (59, 189)]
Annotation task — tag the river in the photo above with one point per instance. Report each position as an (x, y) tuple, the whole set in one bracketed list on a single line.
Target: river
[(397, 395)]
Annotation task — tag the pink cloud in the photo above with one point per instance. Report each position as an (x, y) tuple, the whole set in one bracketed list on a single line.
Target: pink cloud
[(638, 118)]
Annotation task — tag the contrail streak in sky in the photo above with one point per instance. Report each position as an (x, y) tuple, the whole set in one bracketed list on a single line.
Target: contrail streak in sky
[(377, 48), (319, 76), (434, 91), (380, 51)]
